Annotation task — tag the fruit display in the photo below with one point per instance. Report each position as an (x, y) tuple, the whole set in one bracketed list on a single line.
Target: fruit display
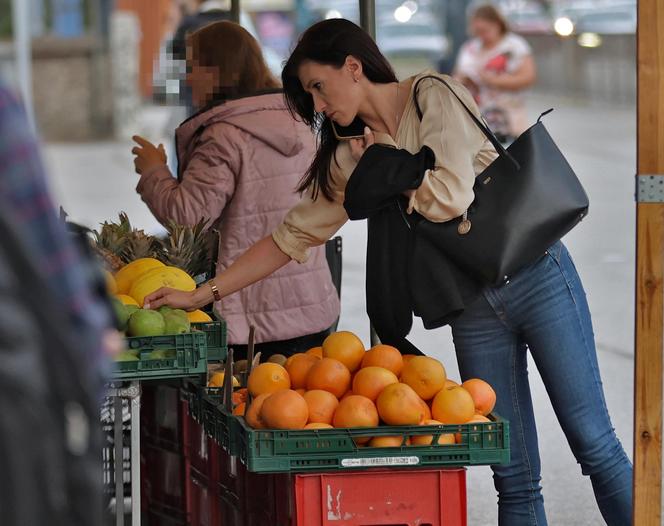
[(184, 247), (342, 385)]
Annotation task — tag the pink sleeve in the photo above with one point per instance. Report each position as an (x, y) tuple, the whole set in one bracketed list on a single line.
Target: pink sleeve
[(207, 183)]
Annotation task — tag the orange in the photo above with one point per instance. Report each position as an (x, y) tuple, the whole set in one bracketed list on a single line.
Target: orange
[(425, 440), (407, 358), (384, 356), (356, 411), (346, 394), (318, 425), (388, 441), (252, 415), (298, 367), (239, 396), (484, 397), (451, 383), (453, 405), (217, 380), (345, 347), (475, 419), (426, 410), (315, 351), (285, 409), (370, 381), (239, 409), (399, 405), (267, 378), (301, 391), (322, 405), (329, 375), (425, 375)]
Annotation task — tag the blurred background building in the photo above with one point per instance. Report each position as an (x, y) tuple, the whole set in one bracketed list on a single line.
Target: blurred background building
[(94, 62)]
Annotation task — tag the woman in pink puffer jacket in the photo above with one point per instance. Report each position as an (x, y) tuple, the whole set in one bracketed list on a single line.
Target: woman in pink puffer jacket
[(240, 159)]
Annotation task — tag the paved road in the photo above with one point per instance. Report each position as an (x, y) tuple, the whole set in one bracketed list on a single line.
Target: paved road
[(94, 181)]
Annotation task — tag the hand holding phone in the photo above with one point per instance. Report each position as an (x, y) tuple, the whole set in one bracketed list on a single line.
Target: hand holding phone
[(355, 130), (359, 145)]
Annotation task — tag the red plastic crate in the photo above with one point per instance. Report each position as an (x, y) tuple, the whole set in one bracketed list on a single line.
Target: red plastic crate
[(199, 502), (196, 443), (380, 498), (161, 416), (163, 474)]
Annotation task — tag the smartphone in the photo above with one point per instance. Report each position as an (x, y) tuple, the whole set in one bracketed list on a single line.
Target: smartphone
[(355, 130)]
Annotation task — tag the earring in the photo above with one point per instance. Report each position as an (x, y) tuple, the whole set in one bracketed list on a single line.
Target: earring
[(355, 79)]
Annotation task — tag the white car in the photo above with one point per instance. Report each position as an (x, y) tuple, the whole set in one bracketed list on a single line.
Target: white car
[(415, 38)]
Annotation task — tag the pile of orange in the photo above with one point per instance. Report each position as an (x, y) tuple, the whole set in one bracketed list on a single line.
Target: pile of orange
[(343, 385)]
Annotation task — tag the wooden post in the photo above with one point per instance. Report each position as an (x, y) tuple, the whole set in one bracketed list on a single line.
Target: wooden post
[(649, 337)]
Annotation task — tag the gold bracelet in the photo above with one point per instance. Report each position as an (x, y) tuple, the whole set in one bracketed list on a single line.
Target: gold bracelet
[(215, 291)]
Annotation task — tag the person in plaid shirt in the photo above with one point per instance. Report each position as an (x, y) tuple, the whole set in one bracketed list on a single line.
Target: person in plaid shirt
[(24, 196), (55, 337)]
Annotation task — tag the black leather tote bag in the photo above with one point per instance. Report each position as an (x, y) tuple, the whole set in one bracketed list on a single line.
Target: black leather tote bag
[(525, 201)]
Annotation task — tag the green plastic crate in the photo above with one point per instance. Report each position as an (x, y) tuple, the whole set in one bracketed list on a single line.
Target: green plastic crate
[(216, 333), (272, 451), (190, 357)]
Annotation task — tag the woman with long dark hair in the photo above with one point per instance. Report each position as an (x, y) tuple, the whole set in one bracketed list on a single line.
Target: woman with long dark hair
[(379, 157)]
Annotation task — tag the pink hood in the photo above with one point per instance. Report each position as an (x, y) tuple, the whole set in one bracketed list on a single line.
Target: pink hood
[(248, 114)]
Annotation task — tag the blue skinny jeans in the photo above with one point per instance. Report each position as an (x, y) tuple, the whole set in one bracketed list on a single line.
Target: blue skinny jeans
[(543, 308)]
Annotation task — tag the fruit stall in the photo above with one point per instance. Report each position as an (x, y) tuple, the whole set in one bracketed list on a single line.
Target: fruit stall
[(337, 434)]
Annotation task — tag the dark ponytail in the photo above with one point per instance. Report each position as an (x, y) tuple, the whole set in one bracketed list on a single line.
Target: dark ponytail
[(328, 42)]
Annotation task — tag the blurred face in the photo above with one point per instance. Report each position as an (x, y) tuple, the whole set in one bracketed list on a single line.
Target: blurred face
[(333, 90), (487, 31), (203, 82)]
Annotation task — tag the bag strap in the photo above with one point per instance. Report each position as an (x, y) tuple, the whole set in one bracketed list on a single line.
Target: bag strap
[(485, 129)]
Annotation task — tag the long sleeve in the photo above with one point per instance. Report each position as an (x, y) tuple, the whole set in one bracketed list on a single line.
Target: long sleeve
[(447, 190), (313, 221), (207, 183)]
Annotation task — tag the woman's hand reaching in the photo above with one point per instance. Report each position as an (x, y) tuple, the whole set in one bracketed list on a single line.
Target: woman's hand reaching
[(148, 155), (177, 299), (358, 146)]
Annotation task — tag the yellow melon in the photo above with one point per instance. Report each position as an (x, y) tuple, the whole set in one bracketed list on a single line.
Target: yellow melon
[(127, 300), (125, 277), (156, 278), (198, 316), (111, 286)]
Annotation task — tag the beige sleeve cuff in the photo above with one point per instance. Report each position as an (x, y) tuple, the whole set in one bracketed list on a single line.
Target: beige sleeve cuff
[(290, 245)]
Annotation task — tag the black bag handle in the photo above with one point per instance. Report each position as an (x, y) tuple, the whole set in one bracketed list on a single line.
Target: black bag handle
[(485, 129)]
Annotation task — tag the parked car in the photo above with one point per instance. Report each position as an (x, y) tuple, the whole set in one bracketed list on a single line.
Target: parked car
[(419, 37)]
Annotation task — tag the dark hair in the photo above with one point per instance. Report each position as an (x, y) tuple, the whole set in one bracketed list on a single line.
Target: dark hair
[(490, 13), (237, 56), (328, 42)]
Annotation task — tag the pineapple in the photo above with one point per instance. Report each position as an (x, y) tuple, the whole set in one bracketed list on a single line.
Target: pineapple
[(187, 247), (138, 245), (111, 262), (110, 241)]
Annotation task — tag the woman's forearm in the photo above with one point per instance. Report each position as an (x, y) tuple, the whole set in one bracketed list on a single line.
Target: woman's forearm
[(258, 262), (522, 78)]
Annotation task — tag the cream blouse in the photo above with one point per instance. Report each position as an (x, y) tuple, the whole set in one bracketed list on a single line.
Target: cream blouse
[(461, 150)]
